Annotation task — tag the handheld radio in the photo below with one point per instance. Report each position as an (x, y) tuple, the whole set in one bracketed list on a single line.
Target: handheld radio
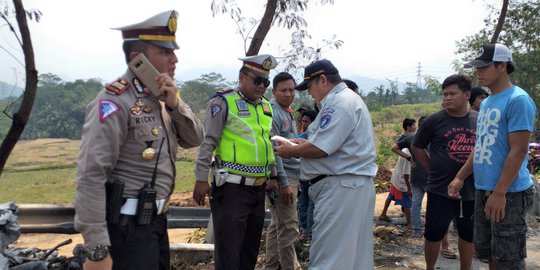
[(146, 205), (272, 196)]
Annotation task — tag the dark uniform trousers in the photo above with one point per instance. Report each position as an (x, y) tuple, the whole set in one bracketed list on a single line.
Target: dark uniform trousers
[(238, 217), (144, 247)]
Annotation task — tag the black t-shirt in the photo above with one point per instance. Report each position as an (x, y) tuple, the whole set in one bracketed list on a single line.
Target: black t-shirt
[(418, 173), (451, 140)]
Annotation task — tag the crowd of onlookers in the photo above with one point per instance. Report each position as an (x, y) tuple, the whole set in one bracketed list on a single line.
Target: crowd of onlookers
[(534, 157)]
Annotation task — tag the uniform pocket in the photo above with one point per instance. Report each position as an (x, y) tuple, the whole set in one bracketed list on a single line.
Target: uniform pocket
[(352, 183)]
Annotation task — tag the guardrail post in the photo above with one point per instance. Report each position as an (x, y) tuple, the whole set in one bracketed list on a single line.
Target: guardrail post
[(209, 237)]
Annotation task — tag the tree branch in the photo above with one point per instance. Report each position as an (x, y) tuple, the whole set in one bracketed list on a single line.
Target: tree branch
[(500, 22), (21, 116), (264, 27)]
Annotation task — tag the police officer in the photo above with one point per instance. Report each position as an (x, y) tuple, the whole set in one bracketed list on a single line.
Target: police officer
[(127, 128), (237, 127), (339, 159)]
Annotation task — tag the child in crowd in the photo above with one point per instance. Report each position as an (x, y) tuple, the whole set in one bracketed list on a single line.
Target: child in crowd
[(400, 190)]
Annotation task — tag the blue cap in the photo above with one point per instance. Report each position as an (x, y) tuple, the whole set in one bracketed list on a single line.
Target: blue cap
[(316, 69)]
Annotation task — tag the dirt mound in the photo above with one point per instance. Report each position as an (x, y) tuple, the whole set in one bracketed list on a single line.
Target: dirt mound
[(382, 179), (184, 199)]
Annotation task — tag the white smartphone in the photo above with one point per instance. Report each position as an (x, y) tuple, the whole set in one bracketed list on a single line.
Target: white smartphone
[(146, 72)]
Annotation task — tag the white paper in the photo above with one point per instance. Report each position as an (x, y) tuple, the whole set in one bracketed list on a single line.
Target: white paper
[(282, 140)]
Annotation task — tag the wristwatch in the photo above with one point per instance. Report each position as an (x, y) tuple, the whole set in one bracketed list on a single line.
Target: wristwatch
[(409, 158), (99, 253)]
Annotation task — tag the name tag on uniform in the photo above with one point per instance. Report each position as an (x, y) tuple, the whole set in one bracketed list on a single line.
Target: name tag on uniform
[(243, 110)]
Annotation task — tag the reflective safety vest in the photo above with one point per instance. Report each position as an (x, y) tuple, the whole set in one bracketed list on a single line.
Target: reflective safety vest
[(245, 147)]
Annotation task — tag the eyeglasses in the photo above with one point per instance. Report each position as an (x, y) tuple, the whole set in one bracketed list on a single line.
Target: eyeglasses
[(259, 80)]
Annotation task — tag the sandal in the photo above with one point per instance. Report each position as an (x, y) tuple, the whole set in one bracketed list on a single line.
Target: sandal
[(449, 253), (385, 218)]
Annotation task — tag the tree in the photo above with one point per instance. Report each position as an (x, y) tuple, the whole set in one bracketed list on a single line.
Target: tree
[(393, 88), (433, 85), (521, 33), (59, 108), (20, 117), (410, 93), (380, 93), (197, 92), (284, 13)]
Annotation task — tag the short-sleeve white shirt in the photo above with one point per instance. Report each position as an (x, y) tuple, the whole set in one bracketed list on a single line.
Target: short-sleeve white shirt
[(403, 166), (344, 131)]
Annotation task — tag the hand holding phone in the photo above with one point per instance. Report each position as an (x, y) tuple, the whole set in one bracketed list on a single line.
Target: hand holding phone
[(146, 72)]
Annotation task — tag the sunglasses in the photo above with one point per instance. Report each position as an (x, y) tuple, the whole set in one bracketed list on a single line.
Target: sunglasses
[(259, 80)]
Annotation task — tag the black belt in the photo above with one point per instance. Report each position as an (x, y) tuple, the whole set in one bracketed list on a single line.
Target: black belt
[(317, 179)]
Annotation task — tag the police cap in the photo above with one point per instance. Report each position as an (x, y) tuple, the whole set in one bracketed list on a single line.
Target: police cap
[(259, 64), (159, 30)]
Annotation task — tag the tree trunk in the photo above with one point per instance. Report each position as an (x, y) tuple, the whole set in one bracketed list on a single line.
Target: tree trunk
[(500, 22), (21, 116), (263, 28)]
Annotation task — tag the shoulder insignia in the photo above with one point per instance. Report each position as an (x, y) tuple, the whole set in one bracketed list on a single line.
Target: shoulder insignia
[(118, 86), (215, 109), (325, 120), (326, 117), (107, 108)]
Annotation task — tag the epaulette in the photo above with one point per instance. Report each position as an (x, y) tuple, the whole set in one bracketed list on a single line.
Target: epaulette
[(224, 91), (221, 93), (117, 87), (265, 98)]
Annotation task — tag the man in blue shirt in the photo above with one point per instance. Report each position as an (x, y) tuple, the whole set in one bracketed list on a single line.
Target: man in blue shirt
[(504, 187)]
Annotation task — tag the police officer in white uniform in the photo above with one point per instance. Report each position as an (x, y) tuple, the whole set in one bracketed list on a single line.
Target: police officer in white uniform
[(126, 129), (339, 159)]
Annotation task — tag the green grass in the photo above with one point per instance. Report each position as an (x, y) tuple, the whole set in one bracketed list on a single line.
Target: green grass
[(39, 186), (57, 186)]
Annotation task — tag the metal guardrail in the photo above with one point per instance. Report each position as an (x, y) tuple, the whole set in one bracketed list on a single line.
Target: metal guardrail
[(51, 218)]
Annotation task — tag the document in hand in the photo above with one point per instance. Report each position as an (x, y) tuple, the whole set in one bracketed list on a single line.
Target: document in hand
[(282, 140)]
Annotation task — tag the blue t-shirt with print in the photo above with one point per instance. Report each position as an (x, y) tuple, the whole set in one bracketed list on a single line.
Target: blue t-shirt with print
[(500, 114)]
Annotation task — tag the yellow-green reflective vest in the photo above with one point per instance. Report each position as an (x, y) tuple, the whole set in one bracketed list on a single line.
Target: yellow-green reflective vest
[(245, 147)]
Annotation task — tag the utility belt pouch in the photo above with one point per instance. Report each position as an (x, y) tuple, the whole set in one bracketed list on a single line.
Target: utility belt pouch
[(219, 175), (114, 190), (146, 205)]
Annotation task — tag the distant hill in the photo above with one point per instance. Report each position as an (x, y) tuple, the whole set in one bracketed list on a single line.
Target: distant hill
[(367, 84), (8, 90), (364, 83)]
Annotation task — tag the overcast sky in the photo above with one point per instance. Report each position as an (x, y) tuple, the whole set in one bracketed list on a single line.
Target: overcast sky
[(382, 38)]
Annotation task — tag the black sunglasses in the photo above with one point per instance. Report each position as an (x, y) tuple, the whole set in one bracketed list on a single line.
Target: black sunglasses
[(259, 80)]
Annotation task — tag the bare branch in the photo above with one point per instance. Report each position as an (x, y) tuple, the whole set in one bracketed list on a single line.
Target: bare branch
[(11, 28)]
